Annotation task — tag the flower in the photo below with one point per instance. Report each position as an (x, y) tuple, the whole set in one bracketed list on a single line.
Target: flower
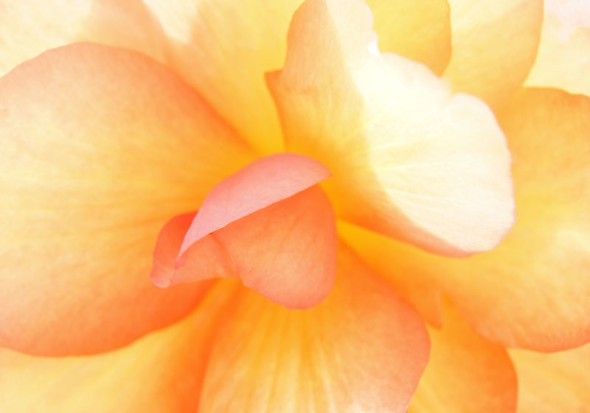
[(103, 145)]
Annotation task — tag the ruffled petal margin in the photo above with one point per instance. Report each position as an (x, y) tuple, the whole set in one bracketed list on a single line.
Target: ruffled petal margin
[(408, 159), (531, 291), (100, 147)]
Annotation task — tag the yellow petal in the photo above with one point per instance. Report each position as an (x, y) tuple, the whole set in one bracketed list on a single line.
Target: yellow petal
[(531, 291), (549, 383), (563, 60), (418, 29), (465, 373), (223, 48), (162, 372), (100, 147), (494, 46), (28, 27), (362, 349), (408, 159)]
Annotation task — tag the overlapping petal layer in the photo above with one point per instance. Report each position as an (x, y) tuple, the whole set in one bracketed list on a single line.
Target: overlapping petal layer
[(100, 147), (465, 372), (161, 372), (362, 349), (563, 60), (227, 62), (494, 46), (549, 383), (30, 27), (408, 158), (268, 224), (532, 291), (418, 29), (415, 287)]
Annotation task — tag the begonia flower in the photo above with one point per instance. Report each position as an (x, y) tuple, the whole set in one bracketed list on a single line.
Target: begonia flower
[(294, 206)]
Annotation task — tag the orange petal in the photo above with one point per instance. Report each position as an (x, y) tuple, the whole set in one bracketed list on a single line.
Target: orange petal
[(549, 383), (30, 27), (465, 373), (418, 29), (223, 48), (261, 225), (494, 46), (563, 60), (532, 291), (162, 372), (94, 164), (408, 158), (362, 349), (257, 186), (375, 250)]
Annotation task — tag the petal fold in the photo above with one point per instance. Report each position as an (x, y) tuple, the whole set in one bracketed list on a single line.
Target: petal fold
[(409, 159), (268, 225), (465, 372), (494, 46), (363, 349), (100, 147)]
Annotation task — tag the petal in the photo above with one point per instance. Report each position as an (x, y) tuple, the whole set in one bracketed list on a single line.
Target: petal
[(375, 250), (563, 60), (100, 147), (257, 186), (419, 30), (532, 291), (494, 46), (362, 349), (162, 372), (30, 27), (408, 159), (465, 373), (261, 225), (223, 48), (549, 383)]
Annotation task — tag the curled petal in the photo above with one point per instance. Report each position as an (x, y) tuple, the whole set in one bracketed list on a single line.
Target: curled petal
[(92, 166), (409, 159), (264, 225)]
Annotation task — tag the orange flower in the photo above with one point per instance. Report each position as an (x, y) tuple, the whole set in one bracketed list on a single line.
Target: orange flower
[(350, 189)]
